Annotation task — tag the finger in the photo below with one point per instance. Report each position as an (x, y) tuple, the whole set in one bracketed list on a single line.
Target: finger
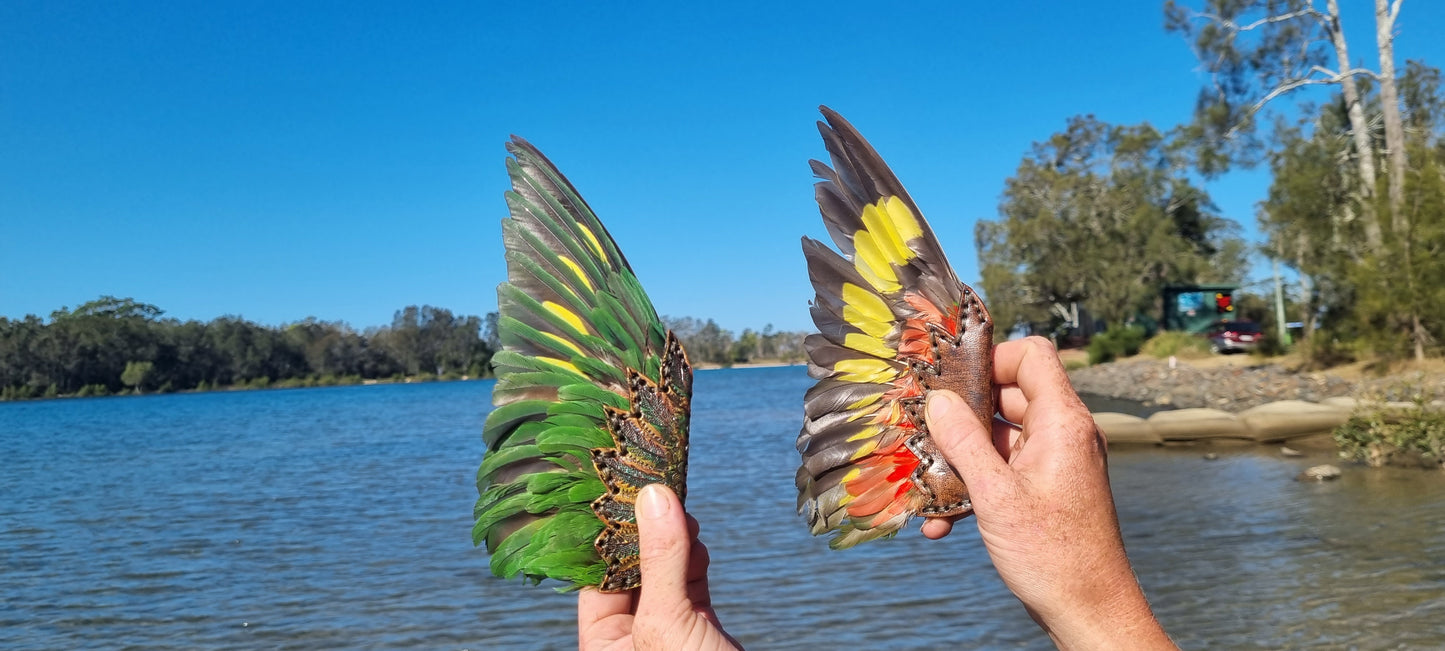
[(594, 605), (693, 528), (1012, 403), (1004, 437), (935, 528), (967, 444), (1034, 365), (665, 546), (698, 559)]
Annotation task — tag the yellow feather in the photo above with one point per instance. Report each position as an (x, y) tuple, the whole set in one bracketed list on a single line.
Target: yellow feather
[(878, 222), (873, 328), (867, 369), (578, 270), (868, 255), (852, 474), (864, 401), (564, 365), (864, 434), (566, 315), (864, 450), (881, 285), (592, 239), (868, 304), (904, 223), (868, 344), (567, 344)]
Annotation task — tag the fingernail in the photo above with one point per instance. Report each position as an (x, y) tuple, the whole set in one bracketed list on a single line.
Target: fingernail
[(651, 504), (939, 403)]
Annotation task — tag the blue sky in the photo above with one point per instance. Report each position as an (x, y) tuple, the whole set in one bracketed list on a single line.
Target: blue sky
[(343, 160)]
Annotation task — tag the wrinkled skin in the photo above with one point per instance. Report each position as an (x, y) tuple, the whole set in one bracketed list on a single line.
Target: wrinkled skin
[(1047, 515), (672, 609), (1047, 518)]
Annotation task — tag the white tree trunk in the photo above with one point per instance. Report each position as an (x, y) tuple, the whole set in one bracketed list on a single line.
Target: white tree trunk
[(1364, 152), (1390, 105)]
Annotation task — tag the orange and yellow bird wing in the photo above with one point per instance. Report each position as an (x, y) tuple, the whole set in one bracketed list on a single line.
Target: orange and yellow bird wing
[(893, 322)]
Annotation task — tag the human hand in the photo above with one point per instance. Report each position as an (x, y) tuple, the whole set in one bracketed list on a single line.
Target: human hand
[(1047, 515), (672, 609)]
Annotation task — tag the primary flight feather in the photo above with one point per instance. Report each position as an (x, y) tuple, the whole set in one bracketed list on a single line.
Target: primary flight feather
[(893, 323), (592, 397)]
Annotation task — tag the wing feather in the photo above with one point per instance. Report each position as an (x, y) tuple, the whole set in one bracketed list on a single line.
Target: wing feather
[(583, 351), (883, 301)]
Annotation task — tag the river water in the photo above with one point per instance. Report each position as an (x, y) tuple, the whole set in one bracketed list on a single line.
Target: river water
[(339, 518)]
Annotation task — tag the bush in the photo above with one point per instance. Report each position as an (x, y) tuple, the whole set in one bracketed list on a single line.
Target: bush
[(1323, 349), (16, 392), (1175, 343), (93, 390), (1115, 343), (1270, 346), (1377, 437)]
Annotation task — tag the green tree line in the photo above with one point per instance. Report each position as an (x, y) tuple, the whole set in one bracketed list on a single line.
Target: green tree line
[(114, 345), (708, 343), (119, 345)]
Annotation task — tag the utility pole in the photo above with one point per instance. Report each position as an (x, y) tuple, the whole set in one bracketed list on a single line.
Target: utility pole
[(1279, 305)]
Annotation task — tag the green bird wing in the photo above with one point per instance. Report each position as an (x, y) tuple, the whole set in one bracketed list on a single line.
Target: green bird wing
[(592, 398)]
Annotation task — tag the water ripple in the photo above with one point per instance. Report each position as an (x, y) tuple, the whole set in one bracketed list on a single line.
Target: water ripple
[(339, 518)]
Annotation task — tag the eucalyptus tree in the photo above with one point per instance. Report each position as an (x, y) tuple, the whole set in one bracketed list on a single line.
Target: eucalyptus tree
[(1101, 216), (1385, 293), (1260, 51)]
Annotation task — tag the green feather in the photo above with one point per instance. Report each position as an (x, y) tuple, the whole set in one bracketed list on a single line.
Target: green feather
[(574, 323), (506, 418), (585, 438), (498, 511), (507, 557), (595, 394), (504, 456), (586, 490)]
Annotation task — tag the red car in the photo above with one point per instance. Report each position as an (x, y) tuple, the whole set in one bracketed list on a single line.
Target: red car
[(1234, 336)]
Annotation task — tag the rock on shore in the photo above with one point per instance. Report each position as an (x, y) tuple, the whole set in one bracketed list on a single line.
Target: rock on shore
[(1231, 388)]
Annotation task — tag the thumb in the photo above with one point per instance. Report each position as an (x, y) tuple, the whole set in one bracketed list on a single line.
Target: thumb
[(664, 546), (965, 442)]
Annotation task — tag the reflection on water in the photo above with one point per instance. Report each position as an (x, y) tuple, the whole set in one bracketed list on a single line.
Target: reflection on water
[(340, 518)]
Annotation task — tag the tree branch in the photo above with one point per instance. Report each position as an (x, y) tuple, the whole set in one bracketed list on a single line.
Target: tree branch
[(1235, 27), (1331, 77)]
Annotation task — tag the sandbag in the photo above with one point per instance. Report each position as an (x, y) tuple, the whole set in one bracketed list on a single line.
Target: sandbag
[(1123, 429), (1287, 419), (1197, 424)]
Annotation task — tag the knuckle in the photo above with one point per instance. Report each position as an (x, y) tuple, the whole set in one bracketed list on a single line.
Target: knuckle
[(1036, 341)]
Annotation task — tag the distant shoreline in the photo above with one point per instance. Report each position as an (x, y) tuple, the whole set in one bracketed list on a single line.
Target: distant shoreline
[(712, 366), (313, 384), (269, 387)]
